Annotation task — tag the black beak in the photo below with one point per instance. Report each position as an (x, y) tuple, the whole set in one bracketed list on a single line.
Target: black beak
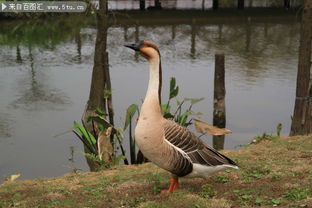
[(134, 46)]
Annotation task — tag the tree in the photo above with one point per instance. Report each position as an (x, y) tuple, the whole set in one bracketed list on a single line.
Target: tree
[(302, 117), (100, 91)]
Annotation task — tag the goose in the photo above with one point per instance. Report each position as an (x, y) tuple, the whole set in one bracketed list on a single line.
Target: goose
[(170, 146)]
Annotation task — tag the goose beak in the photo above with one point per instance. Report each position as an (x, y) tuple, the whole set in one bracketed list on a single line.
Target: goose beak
[(134, 46)]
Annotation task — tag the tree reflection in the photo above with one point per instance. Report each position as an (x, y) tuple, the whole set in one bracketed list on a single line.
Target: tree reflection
[(79, 43), (5, 125), (193, 39), (18, 54), (34, 92)]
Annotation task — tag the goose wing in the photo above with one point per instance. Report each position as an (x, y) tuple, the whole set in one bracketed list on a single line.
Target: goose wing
[(198, 152)]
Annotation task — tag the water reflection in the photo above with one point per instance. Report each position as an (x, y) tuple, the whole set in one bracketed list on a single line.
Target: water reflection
[(218, 142), (5, 125), (79, 44), (200, 4), (35, 94), (193, 39)]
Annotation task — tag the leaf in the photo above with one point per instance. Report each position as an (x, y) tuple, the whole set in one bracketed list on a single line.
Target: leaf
[(182, 119), (130, 113), (118, 132), (279, 129), (275, 201), (82, 131), (194, 100), (172, 83), (187, 124), (197, 114), (100, 113), (168, 116), (107, 93), (174, 92), (102, 123), (258, 201), (116, 160), (85, 142), (203, 127), (13, 177), (165, 108)]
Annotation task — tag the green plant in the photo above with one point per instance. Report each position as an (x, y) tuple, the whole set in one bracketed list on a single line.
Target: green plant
[(258, 201), (99, 124), (245, 197), (297, 194), (275, 176), (131, 110), (178, 115), (207, 191), (279, 129), (275, 201), (154, 182), (133, 202), (255, 173), (236, 191), (264, 136), (220, 179), (104, 164), (86, 137)]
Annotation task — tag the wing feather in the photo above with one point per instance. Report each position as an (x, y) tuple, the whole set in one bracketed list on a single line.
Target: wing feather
[(196, 149)]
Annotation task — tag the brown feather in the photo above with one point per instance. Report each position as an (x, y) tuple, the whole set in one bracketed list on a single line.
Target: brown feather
[(196, 149)]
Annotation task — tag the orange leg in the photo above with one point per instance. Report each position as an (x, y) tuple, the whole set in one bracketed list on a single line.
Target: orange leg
[(174, 184)]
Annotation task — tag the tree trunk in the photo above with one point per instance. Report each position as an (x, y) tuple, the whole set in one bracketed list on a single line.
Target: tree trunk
[(301, 121), (108, 99), (241, 4), (219, 119), (287, 4), (98, 80), (215, 4), (100, 76), (142, 4), (157, 4)]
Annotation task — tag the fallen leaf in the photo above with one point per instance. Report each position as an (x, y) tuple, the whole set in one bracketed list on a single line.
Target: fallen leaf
[(104, 146), (203, 127), (13, 177)]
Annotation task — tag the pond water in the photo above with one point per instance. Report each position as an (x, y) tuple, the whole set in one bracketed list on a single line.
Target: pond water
[(45, 74)]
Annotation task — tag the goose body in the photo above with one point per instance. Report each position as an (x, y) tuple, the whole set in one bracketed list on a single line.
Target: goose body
[(166, 143)]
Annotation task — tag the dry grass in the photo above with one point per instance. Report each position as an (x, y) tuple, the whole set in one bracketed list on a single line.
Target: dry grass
[(272, 173)]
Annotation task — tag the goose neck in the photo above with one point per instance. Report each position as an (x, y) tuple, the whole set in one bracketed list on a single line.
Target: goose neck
[(152, 98)]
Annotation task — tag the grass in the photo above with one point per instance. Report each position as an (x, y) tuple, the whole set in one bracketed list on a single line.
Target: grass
[(272, 173)]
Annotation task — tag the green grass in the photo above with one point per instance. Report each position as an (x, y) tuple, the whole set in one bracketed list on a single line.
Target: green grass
[(272, 173), (296, 194)]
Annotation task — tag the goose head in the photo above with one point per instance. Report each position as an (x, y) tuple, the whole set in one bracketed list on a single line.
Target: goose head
[(147, 49)]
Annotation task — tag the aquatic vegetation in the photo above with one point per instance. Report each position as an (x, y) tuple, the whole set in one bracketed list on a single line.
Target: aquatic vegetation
[(92, 141), (178, 114)]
